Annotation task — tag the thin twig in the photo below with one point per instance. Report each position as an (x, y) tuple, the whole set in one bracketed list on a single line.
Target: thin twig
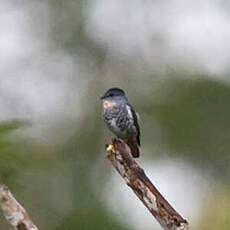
[(15, 214), (121, 158)]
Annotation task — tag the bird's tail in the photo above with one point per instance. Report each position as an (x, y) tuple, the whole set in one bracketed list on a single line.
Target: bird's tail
[(134, 147)]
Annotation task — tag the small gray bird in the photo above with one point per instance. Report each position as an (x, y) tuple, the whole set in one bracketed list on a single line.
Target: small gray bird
[(121, 118)]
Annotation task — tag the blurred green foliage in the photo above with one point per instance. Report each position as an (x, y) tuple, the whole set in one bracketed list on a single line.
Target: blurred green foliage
[(10, 159), (194, 118), (216, 210), (57, 177)]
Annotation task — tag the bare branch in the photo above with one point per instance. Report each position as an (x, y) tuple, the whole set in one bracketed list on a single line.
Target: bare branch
[(14, 213), (121, 158)]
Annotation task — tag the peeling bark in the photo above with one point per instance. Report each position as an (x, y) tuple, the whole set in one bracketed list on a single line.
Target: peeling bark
[(121, 158), (15, 214)]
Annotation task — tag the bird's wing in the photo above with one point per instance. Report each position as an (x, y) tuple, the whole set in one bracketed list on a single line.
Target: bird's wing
[(138, 116), (135, 121)]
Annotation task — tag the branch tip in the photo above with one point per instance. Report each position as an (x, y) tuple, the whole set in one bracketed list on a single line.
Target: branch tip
[(110, 148)]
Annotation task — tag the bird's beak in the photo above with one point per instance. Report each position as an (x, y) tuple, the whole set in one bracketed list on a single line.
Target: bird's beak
[(103, 97)]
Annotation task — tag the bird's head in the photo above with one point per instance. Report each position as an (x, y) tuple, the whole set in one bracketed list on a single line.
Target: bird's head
[(114, 93)]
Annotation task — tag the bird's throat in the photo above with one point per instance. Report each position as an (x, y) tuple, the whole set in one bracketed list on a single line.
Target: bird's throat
[(109, 104)]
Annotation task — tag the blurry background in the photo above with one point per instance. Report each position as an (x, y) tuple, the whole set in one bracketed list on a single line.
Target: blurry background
[(171, 57)]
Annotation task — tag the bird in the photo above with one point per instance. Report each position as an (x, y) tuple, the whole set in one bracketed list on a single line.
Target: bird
[(121, 118)]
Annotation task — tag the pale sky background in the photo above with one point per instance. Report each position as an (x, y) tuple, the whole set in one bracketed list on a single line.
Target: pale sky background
[(36, 77)]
